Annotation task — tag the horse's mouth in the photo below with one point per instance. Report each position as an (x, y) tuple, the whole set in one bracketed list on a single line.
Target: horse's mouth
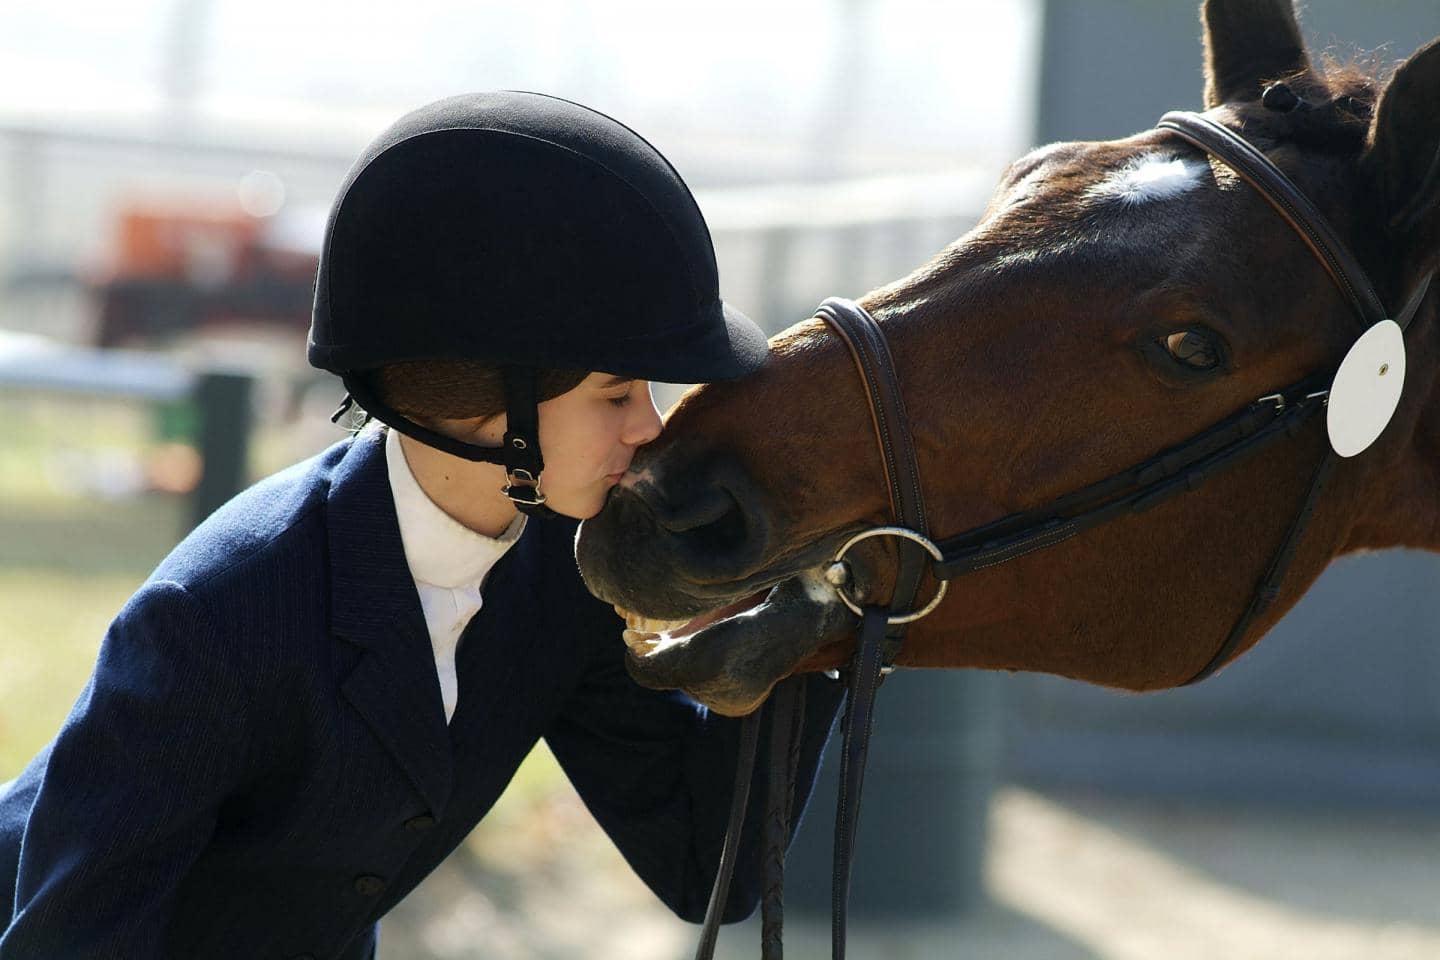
[(644, 635), (729, 657)]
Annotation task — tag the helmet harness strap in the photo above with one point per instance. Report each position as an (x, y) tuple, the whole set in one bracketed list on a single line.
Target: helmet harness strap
[(523, 462), (519, 453)]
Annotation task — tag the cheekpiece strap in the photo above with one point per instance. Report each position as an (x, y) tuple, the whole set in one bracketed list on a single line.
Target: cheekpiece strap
[(870, 351)]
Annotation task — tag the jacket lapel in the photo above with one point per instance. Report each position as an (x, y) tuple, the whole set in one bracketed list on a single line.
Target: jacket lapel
[(374, 605), (505, 637)]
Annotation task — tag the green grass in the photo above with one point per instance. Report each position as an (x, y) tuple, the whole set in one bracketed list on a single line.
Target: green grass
[(52, 623)]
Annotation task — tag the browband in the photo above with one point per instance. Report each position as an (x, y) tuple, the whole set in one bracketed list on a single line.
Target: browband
[(1280, 191)]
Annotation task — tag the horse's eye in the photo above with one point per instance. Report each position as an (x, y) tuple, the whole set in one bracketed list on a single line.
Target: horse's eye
[(1192, 348)]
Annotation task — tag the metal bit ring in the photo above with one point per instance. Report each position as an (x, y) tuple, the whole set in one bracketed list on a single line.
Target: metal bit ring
[(906, 534)]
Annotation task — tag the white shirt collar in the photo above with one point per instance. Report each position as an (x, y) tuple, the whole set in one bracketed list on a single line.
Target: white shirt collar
[(438, 548)]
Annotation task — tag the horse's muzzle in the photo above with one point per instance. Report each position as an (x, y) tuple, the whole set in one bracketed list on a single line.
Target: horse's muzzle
[(675, 549)]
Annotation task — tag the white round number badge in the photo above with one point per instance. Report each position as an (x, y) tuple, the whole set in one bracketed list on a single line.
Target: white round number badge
[(1367, 389)]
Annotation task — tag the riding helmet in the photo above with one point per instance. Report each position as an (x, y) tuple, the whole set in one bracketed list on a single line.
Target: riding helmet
[(524, 231)]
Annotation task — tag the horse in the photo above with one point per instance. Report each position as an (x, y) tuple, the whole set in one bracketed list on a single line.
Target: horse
[(1115, 300)]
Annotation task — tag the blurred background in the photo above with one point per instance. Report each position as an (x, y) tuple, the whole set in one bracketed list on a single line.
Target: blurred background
[(164, 171)]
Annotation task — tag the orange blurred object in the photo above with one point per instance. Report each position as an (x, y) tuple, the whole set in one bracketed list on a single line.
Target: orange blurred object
[(180, 242), (182, 268)]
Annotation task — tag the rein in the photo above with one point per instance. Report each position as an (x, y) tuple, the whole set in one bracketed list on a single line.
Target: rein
[(1178, 470)]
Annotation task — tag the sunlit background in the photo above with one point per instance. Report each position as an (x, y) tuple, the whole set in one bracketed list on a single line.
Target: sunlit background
[(164, 173)]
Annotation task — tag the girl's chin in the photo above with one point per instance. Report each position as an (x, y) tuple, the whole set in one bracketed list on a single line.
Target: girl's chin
[(579, 505)]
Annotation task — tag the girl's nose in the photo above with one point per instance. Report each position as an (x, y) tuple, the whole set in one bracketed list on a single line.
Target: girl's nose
[(645, 425)]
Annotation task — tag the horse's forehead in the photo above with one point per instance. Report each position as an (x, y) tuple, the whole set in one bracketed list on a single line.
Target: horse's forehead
[(1110, 176), (1125, 199)]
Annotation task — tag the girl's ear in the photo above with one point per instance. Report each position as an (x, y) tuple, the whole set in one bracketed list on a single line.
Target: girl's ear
[(1248, 42), (1402, 160)]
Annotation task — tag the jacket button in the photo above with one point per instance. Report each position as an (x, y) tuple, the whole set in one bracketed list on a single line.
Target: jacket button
[(420, 823), (369, 886)]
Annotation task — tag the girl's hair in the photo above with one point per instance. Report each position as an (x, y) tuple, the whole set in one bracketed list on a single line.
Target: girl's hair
[(459, 389)]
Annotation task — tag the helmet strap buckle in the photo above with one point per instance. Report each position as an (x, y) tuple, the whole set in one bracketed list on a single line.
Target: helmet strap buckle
[(522, 487)]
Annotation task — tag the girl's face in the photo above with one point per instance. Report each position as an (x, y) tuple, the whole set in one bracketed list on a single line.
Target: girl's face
[(588, 437)]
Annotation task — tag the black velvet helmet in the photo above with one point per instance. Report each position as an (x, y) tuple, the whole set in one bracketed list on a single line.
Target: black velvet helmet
[(525, 231)]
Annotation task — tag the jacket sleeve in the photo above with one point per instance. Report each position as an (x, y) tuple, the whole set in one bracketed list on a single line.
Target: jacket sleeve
[(129, 796), (657, 770)]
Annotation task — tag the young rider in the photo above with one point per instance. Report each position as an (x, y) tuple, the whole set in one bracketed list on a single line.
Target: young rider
[(319, 693)]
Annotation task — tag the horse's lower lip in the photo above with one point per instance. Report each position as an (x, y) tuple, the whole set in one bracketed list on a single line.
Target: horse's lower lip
[(729, 659)]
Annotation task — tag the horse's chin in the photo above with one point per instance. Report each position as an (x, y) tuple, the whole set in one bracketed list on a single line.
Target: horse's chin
[(729, 658)]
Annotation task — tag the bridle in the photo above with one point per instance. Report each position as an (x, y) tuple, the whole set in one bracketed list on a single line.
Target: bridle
[(1177, 470)]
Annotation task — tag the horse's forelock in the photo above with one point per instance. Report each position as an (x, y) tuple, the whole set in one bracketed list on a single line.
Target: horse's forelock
[(1339, 98)]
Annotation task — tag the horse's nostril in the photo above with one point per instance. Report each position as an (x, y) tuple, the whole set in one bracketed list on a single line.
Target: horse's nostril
[(712, 507), (708, 514)]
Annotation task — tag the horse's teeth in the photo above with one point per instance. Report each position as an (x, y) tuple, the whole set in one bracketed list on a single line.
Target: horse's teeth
[(640, 642), (636, 622)]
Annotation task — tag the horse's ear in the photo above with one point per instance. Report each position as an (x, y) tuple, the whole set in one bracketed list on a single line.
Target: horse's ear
[(1402, 158), (1246, 43)]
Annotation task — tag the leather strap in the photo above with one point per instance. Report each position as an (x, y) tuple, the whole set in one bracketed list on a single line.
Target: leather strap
[(866, 342), (1268, 589), (1412, 306), (720, 892), (864, 681), (1280, 191), (519, 453), (871, 353), (877, 645), (1176, 471), (878, 641), (786, 723)]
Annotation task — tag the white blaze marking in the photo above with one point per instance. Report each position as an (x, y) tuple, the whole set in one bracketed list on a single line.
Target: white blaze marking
[(1149, 177)]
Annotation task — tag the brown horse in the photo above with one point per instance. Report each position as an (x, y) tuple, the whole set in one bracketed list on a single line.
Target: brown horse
[(1115, 299)]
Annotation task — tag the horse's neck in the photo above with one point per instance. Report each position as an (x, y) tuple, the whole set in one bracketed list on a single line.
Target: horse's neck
[(1400, 506), (1425, 449)]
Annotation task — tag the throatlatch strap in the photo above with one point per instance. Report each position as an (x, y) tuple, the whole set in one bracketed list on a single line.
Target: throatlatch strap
[(1412, 306), (1268, 590)]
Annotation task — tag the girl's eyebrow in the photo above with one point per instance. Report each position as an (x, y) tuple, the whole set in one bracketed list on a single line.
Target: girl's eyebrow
[(616, 381)]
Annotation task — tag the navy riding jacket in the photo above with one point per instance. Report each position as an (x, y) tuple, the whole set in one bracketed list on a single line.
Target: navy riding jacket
[(260, 764)]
